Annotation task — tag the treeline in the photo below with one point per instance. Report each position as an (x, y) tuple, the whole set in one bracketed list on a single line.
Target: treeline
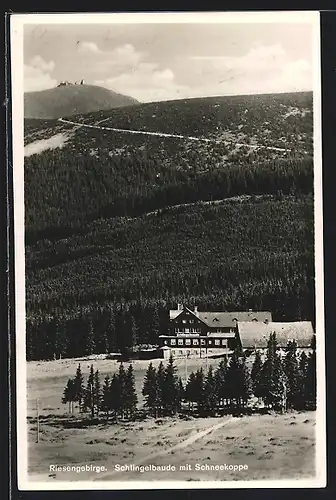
[(281, 383), (114, 285), (116, 395), (67, 189)]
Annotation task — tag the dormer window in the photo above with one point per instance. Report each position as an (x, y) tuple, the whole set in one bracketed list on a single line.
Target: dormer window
[(254, 319), (235, 320), (215, 319)]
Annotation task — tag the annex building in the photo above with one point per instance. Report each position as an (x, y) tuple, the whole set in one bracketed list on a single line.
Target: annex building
[(192, 332)]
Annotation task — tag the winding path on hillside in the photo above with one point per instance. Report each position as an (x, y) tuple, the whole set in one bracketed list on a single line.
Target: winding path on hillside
[(183, 444), (177, 136)]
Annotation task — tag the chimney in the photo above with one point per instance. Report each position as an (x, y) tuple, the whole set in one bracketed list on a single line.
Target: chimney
[(179, 307), (250, 310), (195, 309)]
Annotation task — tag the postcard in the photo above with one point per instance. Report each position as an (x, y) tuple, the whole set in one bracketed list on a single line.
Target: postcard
[(167, 175)]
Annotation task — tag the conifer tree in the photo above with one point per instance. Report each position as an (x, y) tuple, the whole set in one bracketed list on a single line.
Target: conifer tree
[(238, 380), (190, 392), (150, 389), (122, 389), (90, 340), (88, 400), (106, 400), (181, 393), (220, 381), (130, 396), (154, 327), (256, 374), (69, 394), (79, 386), (115, 395), (272, 376), (111, 331), (303, 364), (96, 392), (160, 377), (210, 392), (310, 380), (170, 388), (291, 370), (199, 389)]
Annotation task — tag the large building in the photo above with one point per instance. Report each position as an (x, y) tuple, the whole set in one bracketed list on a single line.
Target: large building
[(193, 332)]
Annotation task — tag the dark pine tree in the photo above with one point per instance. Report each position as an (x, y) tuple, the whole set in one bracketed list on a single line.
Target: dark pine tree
[(90, 340), (150, 390), (160, 377), (69, 394), (199, 390), (220, 381), (291, 370), (256, 373), (115, 396), (131, 398), (170, 388), (210, 392), (122, 390), (238, 381), (88, 400), (272, 377), (79, 387), (96, 392), (190, 392), (181, 394), (106, 396), (310, 381)]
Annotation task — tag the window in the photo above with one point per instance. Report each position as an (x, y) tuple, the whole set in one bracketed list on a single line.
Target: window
[(184, 321), (172, 341), (180, 341), (202, 341), (188, 341), (180, 352), (217, 342), (186, 330), (195, 341), (224, 342), (165, 342), (210, 342)]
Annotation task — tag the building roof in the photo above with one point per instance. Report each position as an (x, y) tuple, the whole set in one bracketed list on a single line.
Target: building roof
[(224, 319), (254, 334)]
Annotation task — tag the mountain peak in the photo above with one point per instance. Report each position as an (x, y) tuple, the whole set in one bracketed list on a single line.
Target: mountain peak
[(68, 99)]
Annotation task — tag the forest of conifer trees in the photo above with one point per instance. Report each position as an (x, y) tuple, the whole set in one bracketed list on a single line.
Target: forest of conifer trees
[(280, 382)]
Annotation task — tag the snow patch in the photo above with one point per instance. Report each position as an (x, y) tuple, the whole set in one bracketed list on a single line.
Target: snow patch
[(54, 142)]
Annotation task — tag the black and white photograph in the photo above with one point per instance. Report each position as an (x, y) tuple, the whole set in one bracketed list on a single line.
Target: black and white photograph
[(168, 250)]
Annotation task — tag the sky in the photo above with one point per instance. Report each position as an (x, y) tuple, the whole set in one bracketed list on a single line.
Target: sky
[(153, 62)]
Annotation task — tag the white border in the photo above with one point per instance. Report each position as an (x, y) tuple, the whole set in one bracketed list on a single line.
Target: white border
[(17, 23)]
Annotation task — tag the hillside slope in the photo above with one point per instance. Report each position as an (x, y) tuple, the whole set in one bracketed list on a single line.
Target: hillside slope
[(122, 226), (72, 99)]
